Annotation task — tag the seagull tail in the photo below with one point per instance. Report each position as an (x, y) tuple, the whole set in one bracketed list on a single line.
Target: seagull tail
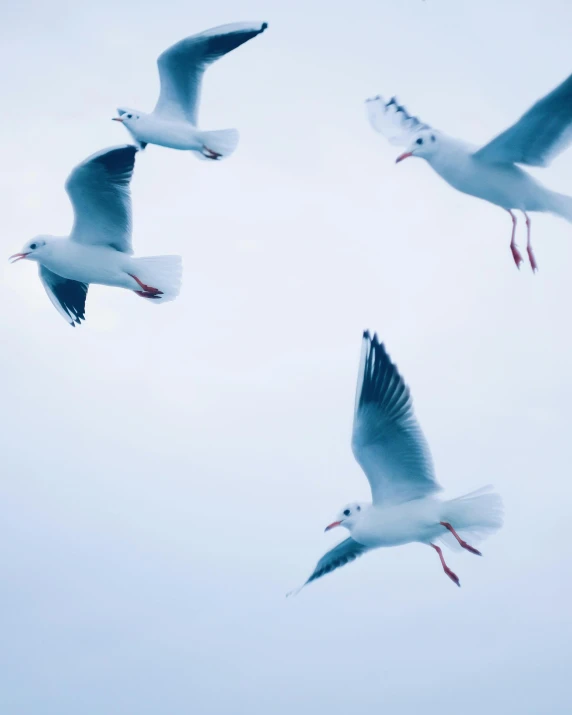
[(159, 273), (218, 144), (561, 205), (474, 516)]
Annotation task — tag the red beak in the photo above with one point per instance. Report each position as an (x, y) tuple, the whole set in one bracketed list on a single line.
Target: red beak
[(18, 257), (332, 525), (401, 157), (116, 119)]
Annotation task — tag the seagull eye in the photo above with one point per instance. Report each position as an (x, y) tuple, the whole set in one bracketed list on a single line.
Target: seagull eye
[(33, 246), (346, 512), (419, 141), (129, 116)]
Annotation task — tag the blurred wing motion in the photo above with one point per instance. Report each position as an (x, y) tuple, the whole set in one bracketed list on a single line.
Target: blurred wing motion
[(392, 120), (539, 135), (68, 297), (340, 555), (387, 442), (181, 67), (99, 191)]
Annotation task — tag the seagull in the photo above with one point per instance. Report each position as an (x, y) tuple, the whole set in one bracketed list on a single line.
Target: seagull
[(173, 122), (389, 446), (491, 172), (98, 250)]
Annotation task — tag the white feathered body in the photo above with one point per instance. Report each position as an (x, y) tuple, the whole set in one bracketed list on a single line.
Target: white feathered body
[(106, 266), (476, 515), (166, 132), (502, 184)]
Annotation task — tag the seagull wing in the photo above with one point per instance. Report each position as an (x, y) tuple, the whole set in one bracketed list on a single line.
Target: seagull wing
[(99, 192), (181, 67), (68, 297), (340, 555), (387, 442), (392, 120), (539, 135)]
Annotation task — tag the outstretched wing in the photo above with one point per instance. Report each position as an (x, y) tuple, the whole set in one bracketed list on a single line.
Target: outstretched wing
[(68, 297), (392, 120), (337, 557), (101, 199), (387, 442), (181, 67), (539, 135)]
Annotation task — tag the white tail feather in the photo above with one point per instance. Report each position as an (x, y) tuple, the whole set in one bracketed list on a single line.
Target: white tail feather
[(474, 516), (218, 144), (162, 273)]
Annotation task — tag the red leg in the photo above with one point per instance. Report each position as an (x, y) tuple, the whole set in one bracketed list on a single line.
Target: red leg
[(453, 576), (513, 247), (148, 291), (531, 257), (461, 542)]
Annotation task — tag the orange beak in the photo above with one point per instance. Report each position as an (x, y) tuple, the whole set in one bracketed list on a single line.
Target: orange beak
[(401, 157), (116, 119), (18, 257), (332, 525)]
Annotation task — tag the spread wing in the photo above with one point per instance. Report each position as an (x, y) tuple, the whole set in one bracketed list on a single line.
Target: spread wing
[(539, 135), (101, 199), (68, 297), (393, 121), (387, 442), (181, 67), (340, 555)]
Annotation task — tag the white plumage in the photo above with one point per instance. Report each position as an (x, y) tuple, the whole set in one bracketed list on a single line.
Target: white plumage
[(491, 172), (389, 446)]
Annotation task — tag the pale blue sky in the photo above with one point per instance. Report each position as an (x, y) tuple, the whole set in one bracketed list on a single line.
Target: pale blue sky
[(168, 471)]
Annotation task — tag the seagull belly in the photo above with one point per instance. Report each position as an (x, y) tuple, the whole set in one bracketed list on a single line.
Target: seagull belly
[(397, 524), (504, 185), (174, 135), (90, 264)]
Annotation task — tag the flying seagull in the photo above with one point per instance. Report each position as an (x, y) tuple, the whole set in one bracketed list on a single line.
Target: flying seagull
[(491, 172), (98, 250), (389, 446), (174, 121)]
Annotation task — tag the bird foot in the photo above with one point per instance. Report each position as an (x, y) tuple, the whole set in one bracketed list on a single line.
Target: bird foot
[(147, 294), (210, 154), (462, 543), (516, 255), (532, 260), (148, 291), (453, 576)]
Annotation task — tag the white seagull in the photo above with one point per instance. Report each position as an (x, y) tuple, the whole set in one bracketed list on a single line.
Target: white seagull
[(389, 446), (98, 250), (173, 122), (491, 172)]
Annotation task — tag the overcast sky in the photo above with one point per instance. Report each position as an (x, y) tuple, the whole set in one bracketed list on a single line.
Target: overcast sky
[(168, 471)]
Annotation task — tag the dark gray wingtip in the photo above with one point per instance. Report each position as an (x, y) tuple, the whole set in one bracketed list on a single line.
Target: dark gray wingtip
[(264, 26), (366, 335)]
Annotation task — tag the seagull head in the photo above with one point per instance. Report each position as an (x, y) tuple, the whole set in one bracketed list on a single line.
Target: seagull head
[(127, 116), (424, 145), (33, 250), (348, 516)]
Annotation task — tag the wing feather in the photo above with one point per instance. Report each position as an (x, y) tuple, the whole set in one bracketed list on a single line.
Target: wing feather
[(67, 296), (393, 121), (539, 135), (99, 191), (181, 67), (342, 554), (387, 441)]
